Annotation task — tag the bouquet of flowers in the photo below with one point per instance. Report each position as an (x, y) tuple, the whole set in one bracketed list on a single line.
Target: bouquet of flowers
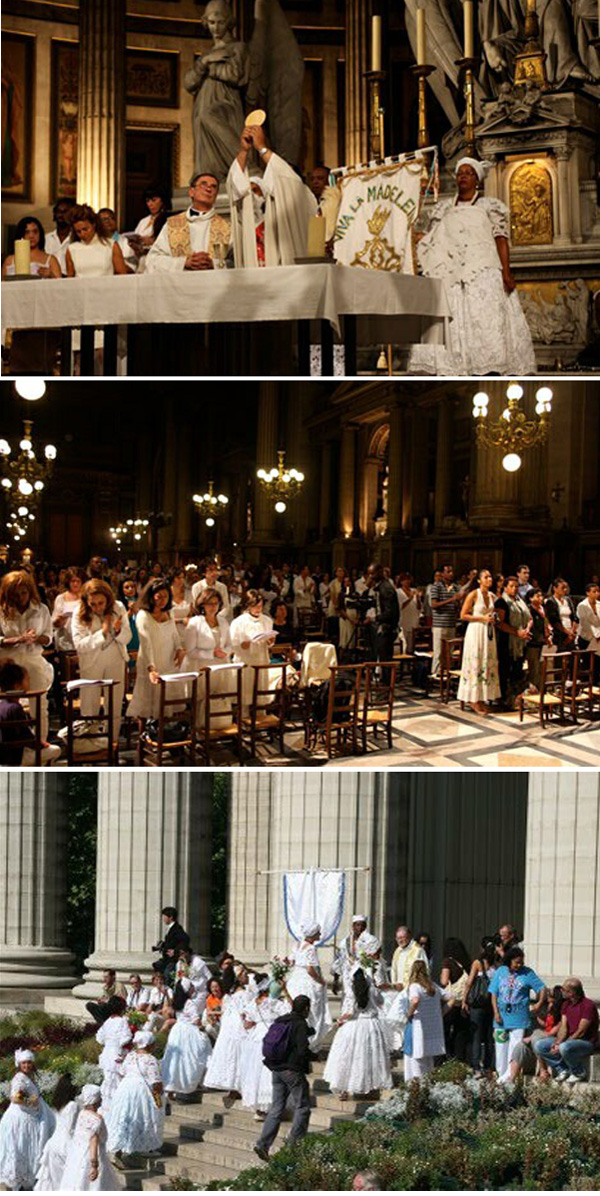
[(279, 968), (136, 1019), (367, 962)]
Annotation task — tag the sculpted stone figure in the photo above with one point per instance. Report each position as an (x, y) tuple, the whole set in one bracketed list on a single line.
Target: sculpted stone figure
[(216, 81)]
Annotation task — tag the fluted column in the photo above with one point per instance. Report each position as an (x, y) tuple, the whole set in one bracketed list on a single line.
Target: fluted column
[(154, 849), (101, 117), (562, 889), (395, 470), (347, 503), (442, 463), (356, 109), (33, 881), (266, 458), (325, 491)]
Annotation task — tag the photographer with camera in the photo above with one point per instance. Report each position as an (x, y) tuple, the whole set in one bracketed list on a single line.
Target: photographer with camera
[(386, 614)]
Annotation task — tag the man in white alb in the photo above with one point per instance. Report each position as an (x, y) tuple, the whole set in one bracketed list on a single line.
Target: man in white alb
[(288, 205), (187, 240)]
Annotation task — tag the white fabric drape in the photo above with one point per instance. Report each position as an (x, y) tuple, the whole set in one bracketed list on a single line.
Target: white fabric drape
[(316, 896)]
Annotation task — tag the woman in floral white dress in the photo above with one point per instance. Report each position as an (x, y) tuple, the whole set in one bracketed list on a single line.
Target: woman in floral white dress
[(135, 1122), (479, 677), (188, 1047), (359, 1060), (87, 1165), (307, 979), (467, 245), (25, 1127)]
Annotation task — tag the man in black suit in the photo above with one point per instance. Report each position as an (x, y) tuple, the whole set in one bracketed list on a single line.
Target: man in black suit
[(387, 614), (175, 938)]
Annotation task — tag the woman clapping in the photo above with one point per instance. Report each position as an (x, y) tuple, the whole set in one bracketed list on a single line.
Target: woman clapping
[(101, 632)]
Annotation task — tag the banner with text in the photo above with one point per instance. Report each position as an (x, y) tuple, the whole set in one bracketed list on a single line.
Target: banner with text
[(378, 208)]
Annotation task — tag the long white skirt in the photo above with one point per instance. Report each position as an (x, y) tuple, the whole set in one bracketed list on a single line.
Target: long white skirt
[(187, 1053), (488, 333), (359, 1059), (224, 1066), (109, 1086), (300, 983), (257, 1080), (54, 1154), (135, 1125), (414, 1069), (76, 1175), (23, 1136), (479, 677)]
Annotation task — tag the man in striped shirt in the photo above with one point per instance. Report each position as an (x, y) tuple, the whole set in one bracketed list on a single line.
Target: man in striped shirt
[(446, 597)]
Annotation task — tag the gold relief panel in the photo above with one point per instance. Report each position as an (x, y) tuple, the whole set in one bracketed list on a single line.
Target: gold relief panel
[(531, 205)]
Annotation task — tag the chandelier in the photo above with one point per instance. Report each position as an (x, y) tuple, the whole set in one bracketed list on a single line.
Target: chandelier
[(513, 432), (23, 479), (280, 484), (135, 528), (210, 505)]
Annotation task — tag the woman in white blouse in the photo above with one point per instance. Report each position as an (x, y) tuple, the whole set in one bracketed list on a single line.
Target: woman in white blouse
[(90, 253), (64, 608), (207, 642), (101, 633), (25, 633), (252, 637), (588, 613), (410, 608), (160, 650)]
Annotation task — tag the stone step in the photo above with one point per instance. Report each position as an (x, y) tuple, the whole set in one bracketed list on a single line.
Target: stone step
[(202, 1173), (236, 1158), (320, 1119), (157, 1183), (320, 1100)]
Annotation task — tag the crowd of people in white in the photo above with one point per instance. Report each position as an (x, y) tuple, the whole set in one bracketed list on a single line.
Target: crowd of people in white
[(222, 1025)]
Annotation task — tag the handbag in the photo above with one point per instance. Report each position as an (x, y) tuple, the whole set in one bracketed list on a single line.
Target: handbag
[(479, 995)]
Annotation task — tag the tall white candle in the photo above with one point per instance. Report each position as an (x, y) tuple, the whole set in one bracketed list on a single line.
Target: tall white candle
[(468, 18), (22, 257), (421, 34), (375, 43)]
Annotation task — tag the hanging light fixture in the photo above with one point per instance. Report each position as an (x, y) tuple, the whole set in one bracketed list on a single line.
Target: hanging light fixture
[(23, 477), (131, 529), (31, 389), (280, 484), (513, 432), (210, 505)]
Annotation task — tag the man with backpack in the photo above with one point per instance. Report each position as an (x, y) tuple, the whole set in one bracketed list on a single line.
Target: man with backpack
[(286, 1054)]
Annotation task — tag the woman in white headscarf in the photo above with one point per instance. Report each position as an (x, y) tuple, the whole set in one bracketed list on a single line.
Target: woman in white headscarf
[(87, 1165), (467, 246), (25, 1127), (188, 1046), (135, 1122), (306, 978), (359, 1060)]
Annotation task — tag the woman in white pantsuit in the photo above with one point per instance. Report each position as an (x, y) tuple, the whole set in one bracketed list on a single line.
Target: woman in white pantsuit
[(100, 630), (252, 637), (25, 633)]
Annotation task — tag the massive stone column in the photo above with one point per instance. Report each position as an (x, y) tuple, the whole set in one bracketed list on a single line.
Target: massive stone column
[(266, 458), (562, 888), (442, 462), (356, 107), (33, 881), (154, 849), (101, 118)]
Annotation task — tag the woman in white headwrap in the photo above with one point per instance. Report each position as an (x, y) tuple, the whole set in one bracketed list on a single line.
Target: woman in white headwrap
[(87, 1165), (260, 1013), (467, 245), (24, 1128), (359, 1060), (135, 1122), (188, 1046), (306, 978)]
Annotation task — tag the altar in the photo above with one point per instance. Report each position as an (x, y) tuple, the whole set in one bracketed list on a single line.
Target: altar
[(357, 306)]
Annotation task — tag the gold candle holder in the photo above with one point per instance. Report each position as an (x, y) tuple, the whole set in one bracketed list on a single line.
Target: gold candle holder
[(467, 68), (530, 64), (422, 70), (376, 114)]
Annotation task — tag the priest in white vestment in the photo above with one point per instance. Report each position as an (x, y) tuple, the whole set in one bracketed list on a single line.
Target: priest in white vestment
[(187, 240), (288, 206)]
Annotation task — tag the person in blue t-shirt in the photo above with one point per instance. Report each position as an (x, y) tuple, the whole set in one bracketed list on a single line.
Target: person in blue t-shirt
[(511, 991)]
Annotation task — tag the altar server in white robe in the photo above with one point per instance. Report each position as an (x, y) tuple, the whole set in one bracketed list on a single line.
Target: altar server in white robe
[(306, 979), (252, 637), (101, 632), (25, 1127), (288, 206), (188, 1046), (359, 1059), (187, 240), (87, 1165)]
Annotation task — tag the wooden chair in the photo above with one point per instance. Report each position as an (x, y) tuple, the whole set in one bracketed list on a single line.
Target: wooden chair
[(551, 697), (151, 751), (341, 715), (423, 649), (376, 708), (230, 732), (310, 625), (31, 722), (582, 688), (267, 718), (104, 718), (450, 667)]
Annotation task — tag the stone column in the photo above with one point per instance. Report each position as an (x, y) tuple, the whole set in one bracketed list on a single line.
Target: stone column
[(442, 463), (356, 107), (101, 118), (154, 849), (564, 198), (33, 881), (166, 537), (325, 492), (347, 501), (562, 886), (395, 470), (266, 458)]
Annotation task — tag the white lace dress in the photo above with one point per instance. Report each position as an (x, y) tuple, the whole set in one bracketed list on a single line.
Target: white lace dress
[(24, 1131), (76, 1175), (257, 1080), (135, 1122), (479, 677), (359, 1059), (224, 1069), (488, 332), (187, 1052), (113, 1036), (54, 1154), (300, 982)]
